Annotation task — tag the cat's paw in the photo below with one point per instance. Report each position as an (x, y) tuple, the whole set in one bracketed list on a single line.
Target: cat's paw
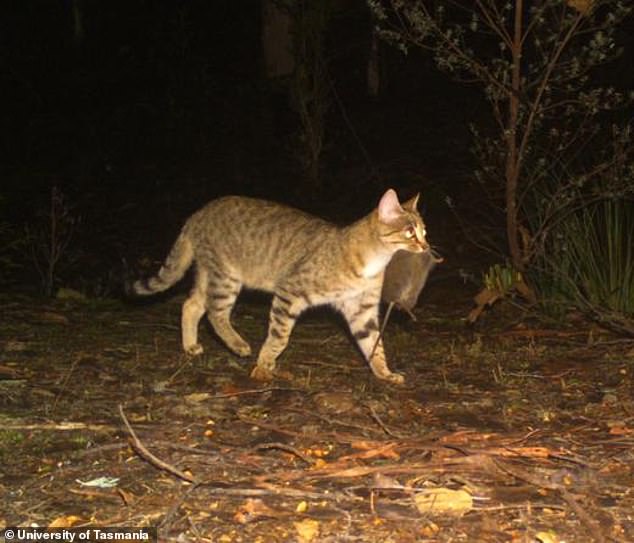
[(395, 378), (242, 349), (380, 370), (194, 350), (261, 374)]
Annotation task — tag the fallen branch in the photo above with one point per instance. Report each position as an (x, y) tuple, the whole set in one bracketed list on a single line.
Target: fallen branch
[(169, 517), (383, 426), (332, 422), (286, 448), (541, 482), (277, 491), (254, 391), (147, 455), (62, 426)]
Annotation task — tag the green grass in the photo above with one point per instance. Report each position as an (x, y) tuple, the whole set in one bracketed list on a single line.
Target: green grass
[(589, 262)]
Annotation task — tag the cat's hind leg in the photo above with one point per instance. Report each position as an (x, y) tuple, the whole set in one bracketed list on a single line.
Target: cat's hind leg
[(362, 314), (221, 296), (193, 310)]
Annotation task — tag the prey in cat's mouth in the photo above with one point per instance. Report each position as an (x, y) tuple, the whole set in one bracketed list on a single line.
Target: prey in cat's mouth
[(304, 261)]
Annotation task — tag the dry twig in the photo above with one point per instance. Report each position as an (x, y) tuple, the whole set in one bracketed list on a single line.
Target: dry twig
[(147, 455), (286, 448)]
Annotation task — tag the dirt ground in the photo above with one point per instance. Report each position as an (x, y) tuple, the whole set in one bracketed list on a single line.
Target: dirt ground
[(514, 430)]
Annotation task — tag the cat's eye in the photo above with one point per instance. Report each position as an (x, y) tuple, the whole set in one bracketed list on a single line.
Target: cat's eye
[(410, 232)]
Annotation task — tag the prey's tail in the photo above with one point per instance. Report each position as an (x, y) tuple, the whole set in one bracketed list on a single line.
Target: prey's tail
[(176, 264)]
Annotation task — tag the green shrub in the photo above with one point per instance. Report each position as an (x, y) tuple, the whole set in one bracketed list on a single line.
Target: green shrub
[(588, 262)]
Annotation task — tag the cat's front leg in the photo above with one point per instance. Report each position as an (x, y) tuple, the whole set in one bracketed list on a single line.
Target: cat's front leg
[(378, 363), (284, 312), (362, 314)]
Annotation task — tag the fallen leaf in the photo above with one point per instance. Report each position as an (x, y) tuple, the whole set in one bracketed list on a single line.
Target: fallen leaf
[(100, 482), (618, 428), (66, 521), (197, 397), (444, 501), (253, 509), (547, 537), (466, 436), (382, 451), (482, 299), (430, 529), (307, 530), (320, 463), (530, 452)]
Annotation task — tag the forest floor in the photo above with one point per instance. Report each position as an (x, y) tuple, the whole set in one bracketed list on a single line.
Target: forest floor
[(514, 430)]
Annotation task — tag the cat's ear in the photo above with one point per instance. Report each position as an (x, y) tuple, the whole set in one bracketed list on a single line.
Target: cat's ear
[(389, 207), (412, 204)]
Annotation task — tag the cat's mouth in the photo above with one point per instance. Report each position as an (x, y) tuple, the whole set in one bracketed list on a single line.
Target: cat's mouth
[(421, 246)]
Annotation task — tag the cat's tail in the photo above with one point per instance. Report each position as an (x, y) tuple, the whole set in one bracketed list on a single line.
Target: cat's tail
[(174, 267)]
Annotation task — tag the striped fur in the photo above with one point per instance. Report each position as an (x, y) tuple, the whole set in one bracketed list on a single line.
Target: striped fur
[(176, 264), (237, 242)]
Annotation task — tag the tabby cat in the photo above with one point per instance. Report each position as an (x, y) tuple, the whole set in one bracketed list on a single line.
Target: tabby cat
[(303, 260)]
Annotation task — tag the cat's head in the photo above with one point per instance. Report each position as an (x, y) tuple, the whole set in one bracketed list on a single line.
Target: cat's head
[(400, 225)]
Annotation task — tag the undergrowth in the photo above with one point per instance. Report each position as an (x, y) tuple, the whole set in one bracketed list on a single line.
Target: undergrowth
[(588, 263)]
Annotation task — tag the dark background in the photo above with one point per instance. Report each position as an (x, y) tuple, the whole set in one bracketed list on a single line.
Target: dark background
[(163, 105)]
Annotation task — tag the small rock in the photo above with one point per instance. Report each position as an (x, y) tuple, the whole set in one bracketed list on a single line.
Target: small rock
[(335, 402)]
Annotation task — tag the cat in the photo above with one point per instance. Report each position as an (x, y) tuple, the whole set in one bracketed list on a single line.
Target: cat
[(304, 261)]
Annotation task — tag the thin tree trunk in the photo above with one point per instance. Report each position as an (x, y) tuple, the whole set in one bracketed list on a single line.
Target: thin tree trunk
[(373, 69), (513, 158), (78, 22), (277, 41)]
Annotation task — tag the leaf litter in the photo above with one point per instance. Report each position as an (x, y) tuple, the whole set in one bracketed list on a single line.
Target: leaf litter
[(501, 433)]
